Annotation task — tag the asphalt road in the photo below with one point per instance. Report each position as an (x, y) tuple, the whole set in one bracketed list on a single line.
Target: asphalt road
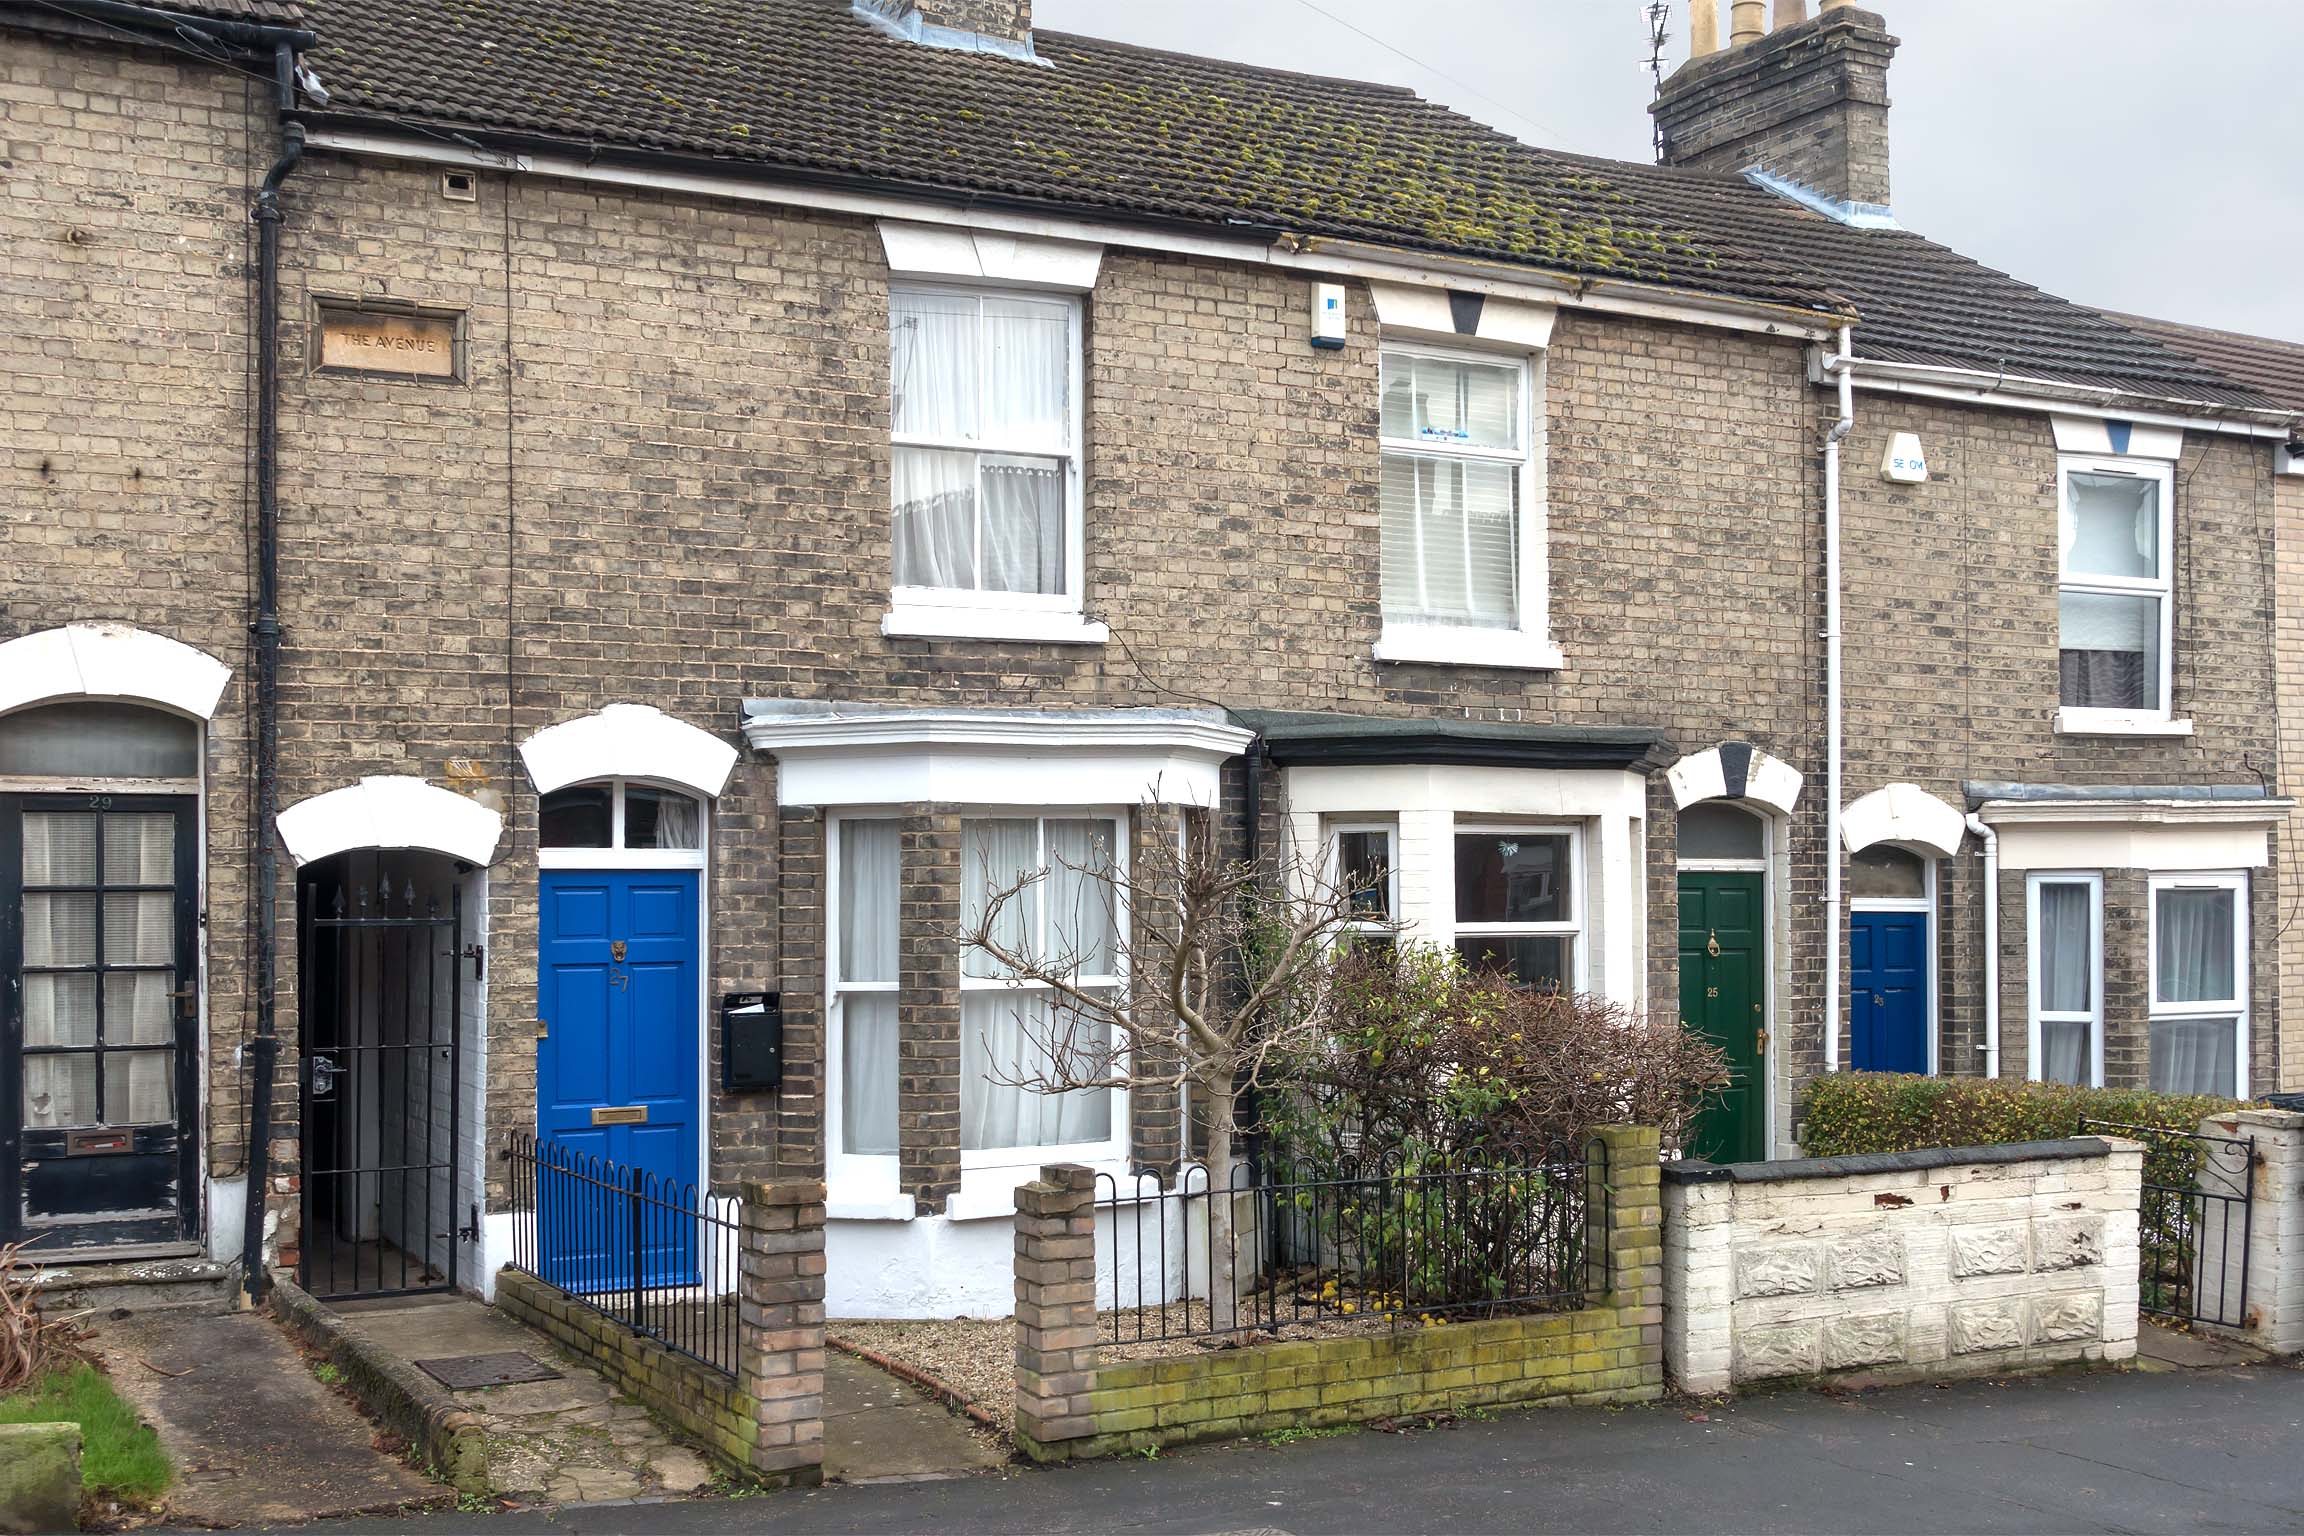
[(2198, 1451)]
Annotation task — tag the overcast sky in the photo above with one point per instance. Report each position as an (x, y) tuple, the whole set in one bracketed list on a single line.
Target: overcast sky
[(2145, 155)]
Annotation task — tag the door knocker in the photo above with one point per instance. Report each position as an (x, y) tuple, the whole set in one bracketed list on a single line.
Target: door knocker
[(1712, 946), (616, 950)]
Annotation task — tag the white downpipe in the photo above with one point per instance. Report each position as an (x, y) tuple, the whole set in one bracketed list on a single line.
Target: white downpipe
[(1991, 840), (1841, 368)]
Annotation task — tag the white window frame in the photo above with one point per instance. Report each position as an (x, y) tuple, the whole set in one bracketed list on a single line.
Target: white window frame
[(2236, 1007), (1527, 642), (1573, 927), (986, 1175), (616, 855), (860, 1186), (976, 614), (2034, 1015), (2115, 722), (1390, 832)]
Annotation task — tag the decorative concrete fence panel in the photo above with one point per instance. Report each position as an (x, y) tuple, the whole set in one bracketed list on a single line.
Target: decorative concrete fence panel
[(1903, 1265)]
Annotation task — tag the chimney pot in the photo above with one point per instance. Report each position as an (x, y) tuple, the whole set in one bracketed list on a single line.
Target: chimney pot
[(1704, 28), (1789, 13), (1746, 23)]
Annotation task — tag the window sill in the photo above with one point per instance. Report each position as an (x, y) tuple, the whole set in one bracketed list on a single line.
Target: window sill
[(989, 1194), (918, 622), (1453, 646), (2117, 722), (869, 1208)]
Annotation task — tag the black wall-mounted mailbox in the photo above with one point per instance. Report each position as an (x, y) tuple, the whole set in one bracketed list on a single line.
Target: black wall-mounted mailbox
[(751, 1041)]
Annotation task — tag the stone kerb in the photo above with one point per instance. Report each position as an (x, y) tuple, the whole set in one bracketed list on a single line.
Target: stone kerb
[(1926, 1264), (2273, 1299), (780, 1358)]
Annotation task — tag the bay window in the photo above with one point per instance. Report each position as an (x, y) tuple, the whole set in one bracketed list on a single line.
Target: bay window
[(1012, 1031), (1461, 562), (2199, 984), (2065, 914), (985, 418), (1519, 906), (2114, 622), (867, 877)]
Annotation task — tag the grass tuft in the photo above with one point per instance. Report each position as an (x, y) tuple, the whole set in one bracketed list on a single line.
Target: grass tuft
[(120, 1457)]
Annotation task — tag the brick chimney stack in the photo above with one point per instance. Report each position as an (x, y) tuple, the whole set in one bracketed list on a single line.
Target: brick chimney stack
[(1009, 20), (1806, 100)]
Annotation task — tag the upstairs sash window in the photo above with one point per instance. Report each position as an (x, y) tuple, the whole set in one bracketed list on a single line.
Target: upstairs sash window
[(2113, 619), (984, 409), (1455, 455)]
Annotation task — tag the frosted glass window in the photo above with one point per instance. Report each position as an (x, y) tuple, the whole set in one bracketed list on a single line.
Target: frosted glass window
[(1714, 831), (98, 741), (1454, 453), (983, 466)]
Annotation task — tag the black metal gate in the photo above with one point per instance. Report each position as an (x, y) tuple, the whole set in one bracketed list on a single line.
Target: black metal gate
[(2193, 1225), (382, 1076)]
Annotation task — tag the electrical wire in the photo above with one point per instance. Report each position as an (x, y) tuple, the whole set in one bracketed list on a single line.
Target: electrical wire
[(1543, 131)]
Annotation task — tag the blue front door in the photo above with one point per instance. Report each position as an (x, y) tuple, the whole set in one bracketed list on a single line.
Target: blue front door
[(1888, 991), (617, 1073)]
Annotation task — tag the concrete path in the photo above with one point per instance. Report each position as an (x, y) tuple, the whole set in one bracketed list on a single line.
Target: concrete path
[(2127, 1452), (567, 1440), (255, 1436), (880, 1429)]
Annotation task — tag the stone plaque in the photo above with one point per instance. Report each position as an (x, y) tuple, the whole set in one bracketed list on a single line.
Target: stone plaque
[(379, 341)]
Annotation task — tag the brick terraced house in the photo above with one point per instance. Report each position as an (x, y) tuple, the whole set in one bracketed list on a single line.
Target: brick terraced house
[(660, 506)]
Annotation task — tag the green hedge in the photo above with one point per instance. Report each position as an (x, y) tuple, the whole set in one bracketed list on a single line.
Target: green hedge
[(1890, 1112)]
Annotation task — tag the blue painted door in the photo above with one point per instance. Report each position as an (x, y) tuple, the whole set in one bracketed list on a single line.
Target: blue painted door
[(1888, 991), (617, 1072)]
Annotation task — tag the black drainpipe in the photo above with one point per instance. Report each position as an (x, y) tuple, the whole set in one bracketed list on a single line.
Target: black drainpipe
[(264, 1050)]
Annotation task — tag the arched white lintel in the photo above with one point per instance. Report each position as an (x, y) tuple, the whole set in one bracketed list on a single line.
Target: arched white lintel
[(1905, 814), (110, 661), (393, 811), (1734, 770), (630, 741)]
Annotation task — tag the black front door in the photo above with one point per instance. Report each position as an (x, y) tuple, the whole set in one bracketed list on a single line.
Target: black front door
[(99, 1105)]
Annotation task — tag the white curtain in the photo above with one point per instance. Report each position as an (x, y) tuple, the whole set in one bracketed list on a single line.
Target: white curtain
[(139, 849), (933, 362), (60, 1009), (1027, 373), (59, 1091), (60, 848), (139, 927), (2112, 526), (2193, 929), (2067, 981), (679, 822), (1023, 524), (1013, 1033), (139, 1087), (1080, 895), (2195, 1056), (935, 533), (995, 852), (870, 870)]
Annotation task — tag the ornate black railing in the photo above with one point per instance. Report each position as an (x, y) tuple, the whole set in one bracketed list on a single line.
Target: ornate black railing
[(656, 1256), (2193, 1222), (1401, 1245)]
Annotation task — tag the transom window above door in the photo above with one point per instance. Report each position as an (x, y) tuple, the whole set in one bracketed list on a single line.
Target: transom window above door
[(2114, 619), (1462, 563), (645, 822), (984, 413)]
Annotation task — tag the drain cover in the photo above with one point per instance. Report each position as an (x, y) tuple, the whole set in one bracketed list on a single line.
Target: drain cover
[(460, 1372)]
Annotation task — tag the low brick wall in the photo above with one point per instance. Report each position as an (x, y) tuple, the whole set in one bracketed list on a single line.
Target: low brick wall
[(1904, 1265), (1071, 1404), (765, 1423)]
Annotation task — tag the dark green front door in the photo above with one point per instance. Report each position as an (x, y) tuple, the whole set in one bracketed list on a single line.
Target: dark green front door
[(1724, 997)]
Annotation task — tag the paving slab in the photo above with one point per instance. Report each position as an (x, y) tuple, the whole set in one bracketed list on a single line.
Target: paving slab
[(255, 1436), (569, 1439), (2167, 1349), (879, 1429)]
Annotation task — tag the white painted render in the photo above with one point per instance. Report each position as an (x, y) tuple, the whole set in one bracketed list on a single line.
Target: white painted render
[(393, 811), (110, 661), (1426, 314), (986, 255), (1769, 781), (629, 741), (1905, 814)]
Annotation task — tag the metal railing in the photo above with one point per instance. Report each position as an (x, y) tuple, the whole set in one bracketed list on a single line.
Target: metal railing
[(659, 1257), (2193, 1221), (1402, 1245)]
